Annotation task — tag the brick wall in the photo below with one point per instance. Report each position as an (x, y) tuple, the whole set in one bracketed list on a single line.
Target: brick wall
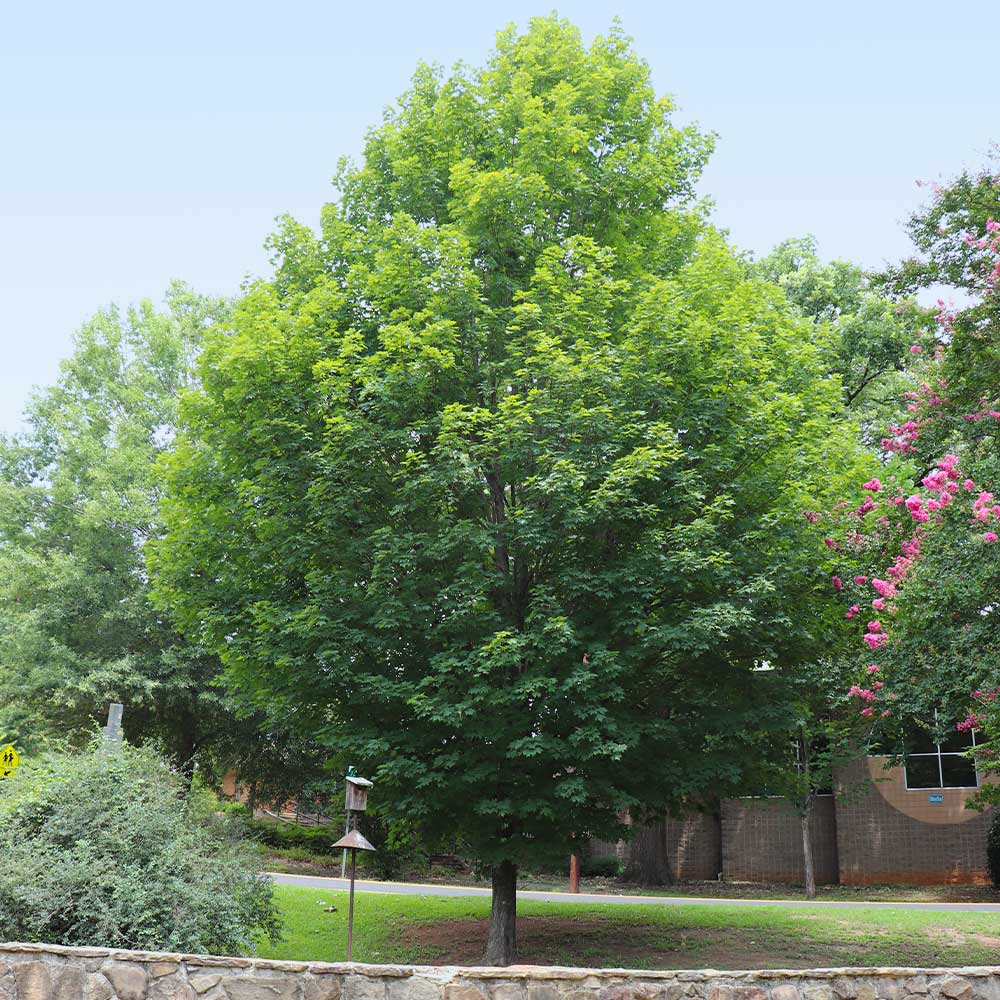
[(694, 846), (762, 840), (888, 834)]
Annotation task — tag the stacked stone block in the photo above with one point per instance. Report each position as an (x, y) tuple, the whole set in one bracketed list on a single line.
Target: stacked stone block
[(47, 972)]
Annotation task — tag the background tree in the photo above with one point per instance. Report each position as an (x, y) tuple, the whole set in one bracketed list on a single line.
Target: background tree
[(78, 503), (498, 485), (868, 334), (804, 749)]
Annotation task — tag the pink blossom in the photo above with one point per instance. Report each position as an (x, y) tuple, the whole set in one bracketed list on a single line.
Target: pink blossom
[(936, 480), (989, 536), (861, 580), (872, 668), (875, 640), (873, 485), (971, 721), (915, 349), (838, 584), (878, 604), (867, 712), (852, 612), (884, 588)]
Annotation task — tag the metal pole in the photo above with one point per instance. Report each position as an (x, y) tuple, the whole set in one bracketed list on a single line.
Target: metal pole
[(347, 830), (350, 907)]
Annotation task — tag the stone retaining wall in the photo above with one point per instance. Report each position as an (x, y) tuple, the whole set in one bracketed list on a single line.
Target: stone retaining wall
[(48, 972)]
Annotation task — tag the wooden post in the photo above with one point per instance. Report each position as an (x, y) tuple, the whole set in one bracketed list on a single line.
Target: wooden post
[(574, 872), (350, 906)]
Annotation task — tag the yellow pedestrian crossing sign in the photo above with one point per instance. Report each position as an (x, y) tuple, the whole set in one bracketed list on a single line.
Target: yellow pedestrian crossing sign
[(10, 761)]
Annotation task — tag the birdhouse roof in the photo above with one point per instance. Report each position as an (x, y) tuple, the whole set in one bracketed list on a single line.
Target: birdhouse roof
[(354, 839), (362, 782)]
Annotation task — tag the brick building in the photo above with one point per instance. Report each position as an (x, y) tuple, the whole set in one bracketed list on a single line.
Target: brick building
[(907, 825)]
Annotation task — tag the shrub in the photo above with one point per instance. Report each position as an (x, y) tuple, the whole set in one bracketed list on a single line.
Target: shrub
[(315, 839), (105, 847), (993, 849), (600, 867), (398, 848)]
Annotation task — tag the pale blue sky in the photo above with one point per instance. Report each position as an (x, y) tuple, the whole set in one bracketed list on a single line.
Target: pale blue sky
[(142, 142)]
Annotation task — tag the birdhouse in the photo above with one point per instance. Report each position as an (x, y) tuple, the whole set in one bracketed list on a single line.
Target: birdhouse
[(357, 793)]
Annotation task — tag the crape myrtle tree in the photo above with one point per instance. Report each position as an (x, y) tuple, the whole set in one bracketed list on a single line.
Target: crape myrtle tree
[(917, 545), (78, 503), (496, 487)]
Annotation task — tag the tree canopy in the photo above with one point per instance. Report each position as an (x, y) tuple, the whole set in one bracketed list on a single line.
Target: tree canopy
[(498, 485)]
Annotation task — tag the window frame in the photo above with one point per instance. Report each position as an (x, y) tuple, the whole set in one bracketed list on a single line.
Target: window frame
[(937, 755)]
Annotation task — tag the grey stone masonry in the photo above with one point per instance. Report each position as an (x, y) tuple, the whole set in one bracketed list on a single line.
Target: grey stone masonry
[(50, 972)]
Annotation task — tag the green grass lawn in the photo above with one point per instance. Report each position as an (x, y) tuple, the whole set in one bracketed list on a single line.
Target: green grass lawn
[(443, 930)]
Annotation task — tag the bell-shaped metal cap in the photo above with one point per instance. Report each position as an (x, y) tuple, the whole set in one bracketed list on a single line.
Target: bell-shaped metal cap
[(355, 840)]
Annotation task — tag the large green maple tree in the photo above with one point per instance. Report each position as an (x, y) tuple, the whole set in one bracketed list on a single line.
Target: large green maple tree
[(498, 485)]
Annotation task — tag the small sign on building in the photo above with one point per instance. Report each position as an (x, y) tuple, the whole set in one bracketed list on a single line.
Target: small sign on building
[(935, 798)]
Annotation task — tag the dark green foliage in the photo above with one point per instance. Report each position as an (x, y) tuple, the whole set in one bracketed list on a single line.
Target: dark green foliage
[(398, 847), (104, 847), (317, 839), (601, 867), (993, 849)]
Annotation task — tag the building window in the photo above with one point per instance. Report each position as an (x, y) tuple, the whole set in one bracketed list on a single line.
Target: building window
[(929, 763)]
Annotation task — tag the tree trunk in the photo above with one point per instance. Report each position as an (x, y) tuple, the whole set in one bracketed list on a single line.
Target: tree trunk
[(805, 816), (648, 864), (807, 851), (574, 872), (501, 947)]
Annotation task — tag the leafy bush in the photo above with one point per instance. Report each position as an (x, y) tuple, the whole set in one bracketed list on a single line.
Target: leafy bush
[(993, 849), (315, 839), (398, 848), (600, 867), (105, 847)]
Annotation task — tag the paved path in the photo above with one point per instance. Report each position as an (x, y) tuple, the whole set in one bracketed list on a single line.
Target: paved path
[(418, 889)]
